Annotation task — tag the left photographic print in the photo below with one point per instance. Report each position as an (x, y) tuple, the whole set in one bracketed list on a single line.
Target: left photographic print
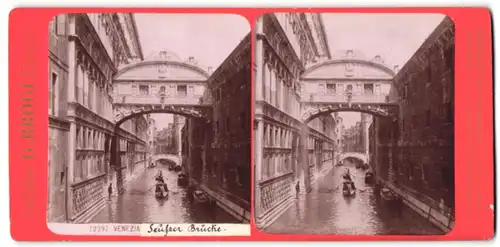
[(149, 124)]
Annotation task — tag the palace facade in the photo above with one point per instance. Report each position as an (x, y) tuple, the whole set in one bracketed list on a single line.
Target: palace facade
[(285, 44), (85, 50)]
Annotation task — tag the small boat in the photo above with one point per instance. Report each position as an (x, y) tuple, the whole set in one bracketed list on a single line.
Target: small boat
[(348, 188), (391, 199), (182, 179), (161, 190), (177, 168), (388, 195), (369, 177), (200, 197)]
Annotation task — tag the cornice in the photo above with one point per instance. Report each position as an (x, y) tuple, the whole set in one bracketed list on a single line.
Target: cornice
[(307, 30), (274, 22), (136, 35)]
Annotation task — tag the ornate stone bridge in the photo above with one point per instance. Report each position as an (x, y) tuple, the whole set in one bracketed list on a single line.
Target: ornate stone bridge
[(348, 83), (162, 83), (170, 157), (359, 156)]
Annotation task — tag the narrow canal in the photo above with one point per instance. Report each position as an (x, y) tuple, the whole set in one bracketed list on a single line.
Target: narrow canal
[(138, 205), (325, 211)]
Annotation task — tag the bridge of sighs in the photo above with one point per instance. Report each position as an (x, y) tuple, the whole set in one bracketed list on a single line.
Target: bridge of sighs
[(162, 83), (349, 83)]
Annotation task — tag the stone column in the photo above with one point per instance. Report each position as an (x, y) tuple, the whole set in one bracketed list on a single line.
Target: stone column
[(204, 154), (390, 151), (191, 148), (295, 155), (303, 171), (258, 149), (259, 59), (319, 158), (282, 88), (72, 128), (375, 161), (366, 138), (268, 139), (394, 150), (95, 90), (178, 137), (334, 158), (116, 161)]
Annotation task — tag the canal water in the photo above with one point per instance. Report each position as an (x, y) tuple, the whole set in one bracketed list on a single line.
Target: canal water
[(138, 204), (325, 211)]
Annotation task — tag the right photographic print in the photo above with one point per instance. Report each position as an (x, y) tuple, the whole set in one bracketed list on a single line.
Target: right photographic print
[(354, 123)]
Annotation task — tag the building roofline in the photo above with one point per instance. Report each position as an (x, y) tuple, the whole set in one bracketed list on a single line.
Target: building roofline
[(158, 62), (136, 36), (243, 43), (323, 35), (346, 61), (433, 36)]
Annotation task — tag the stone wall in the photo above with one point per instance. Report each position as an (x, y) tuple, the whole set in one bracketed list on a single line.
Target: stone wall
[(231, 151), (58, 127), (197, 137), (57, 161)]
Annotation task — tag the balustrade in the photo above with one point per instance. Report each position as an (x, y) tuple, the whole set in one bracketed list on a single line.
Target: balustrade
[(355, 98), (166, 100), (275, 191), (87, 193)]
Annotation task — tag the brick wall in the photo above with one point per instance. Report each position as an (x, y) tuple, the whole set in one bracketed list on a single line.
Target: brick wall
[(424, 158)]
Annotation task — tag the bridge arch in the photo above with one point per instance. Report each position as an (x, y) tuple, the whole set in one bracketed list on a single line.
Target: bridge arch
[(126, 113), (379, 111), (173, 158), (356, 155)]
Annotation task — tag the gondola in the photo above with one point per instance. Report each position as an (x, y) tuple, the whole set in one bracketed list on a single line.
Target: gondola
[(389, 196), (161, 190), (348, 188), (200, 197)]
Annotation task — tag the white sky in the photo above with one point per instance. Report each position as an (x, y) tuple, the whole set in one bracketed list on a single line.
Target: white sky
[(395, 37), (210, 38)]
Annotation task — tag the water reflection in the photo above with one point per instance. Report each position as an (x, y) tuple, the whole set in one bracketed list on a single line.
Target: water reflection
[(326, 211), (139, 205)]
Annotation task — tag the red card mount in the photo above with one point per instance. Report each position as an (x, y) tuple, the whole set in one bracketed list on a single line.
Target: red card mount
[(251, 124)]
